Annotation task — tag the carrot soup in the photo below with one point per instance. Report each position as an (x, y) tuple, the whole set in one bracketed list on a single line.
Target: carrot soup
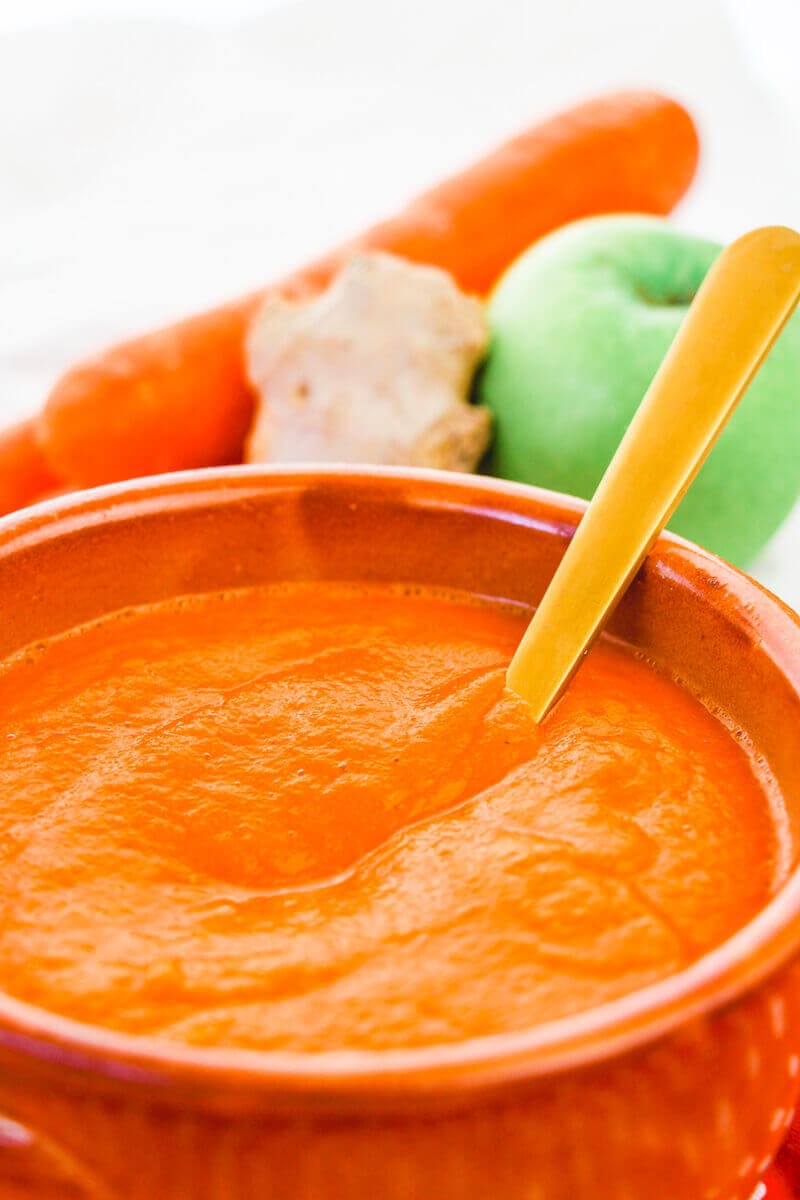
[(310, 818)]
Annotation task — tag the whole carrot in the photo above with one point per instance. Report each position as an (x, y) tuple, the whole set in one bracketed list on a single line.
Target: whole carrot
[(179, 398), (25, 475)]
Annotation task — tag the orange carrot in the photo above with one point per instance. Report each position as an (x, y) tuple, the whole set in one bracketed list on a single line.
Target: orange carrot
[(172, 399), (25, 475), (179, 397)]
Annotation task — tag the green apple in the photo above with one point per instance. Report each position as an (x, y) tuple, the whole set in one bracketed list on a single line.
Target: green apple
[(579, 325)]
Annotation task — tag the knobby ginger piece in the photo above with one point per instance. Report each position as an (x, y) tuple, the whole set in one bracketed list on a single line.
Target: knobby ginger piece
[(377, 369)]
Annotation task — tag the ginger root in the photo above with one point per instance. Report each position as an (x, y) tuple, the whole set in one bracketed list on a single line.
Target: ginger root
[(377, 369)]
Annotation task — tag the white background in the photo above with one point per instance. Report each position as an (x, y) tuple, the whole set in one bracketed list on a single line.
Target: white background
[(157, 156)]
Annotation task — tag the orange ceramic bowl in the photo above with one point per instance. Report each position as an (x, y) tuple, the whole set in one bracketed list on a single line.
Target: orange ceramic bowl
[(681, 1091)]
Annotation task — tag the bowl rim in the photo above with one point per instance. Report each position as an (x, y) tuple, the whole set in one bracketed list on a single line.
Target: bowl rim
[(388, 1077)]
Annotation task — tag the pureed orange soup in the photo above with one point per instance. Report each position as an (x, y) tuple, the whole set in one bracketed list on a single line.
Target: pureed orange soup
[(310, 818)]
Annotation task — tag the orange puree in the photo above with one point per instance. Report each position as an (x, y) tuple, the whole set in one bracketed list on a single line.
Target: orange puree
[(311, 818)]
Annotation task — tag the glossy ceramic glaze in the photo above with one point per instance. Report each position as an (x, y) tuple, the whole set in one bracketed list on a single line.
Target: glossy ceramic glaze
[(682, 1090)]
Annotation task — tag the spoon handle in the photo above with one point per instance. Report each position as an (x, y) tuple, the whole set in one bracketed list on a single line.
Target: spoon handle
[(741, 307)]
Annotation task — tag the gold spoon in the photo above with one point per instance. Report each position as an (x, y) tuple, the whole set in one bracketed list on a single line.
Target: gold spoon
[(744, 302)]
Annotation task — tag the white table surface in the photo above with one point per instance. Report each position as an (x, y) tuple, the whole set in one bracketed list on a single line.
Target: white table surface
[(157, 156)]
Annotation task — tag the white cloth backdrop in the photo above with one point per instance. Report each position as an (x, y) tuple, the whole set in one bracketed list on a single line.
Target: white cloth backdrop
[(157, 156)]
